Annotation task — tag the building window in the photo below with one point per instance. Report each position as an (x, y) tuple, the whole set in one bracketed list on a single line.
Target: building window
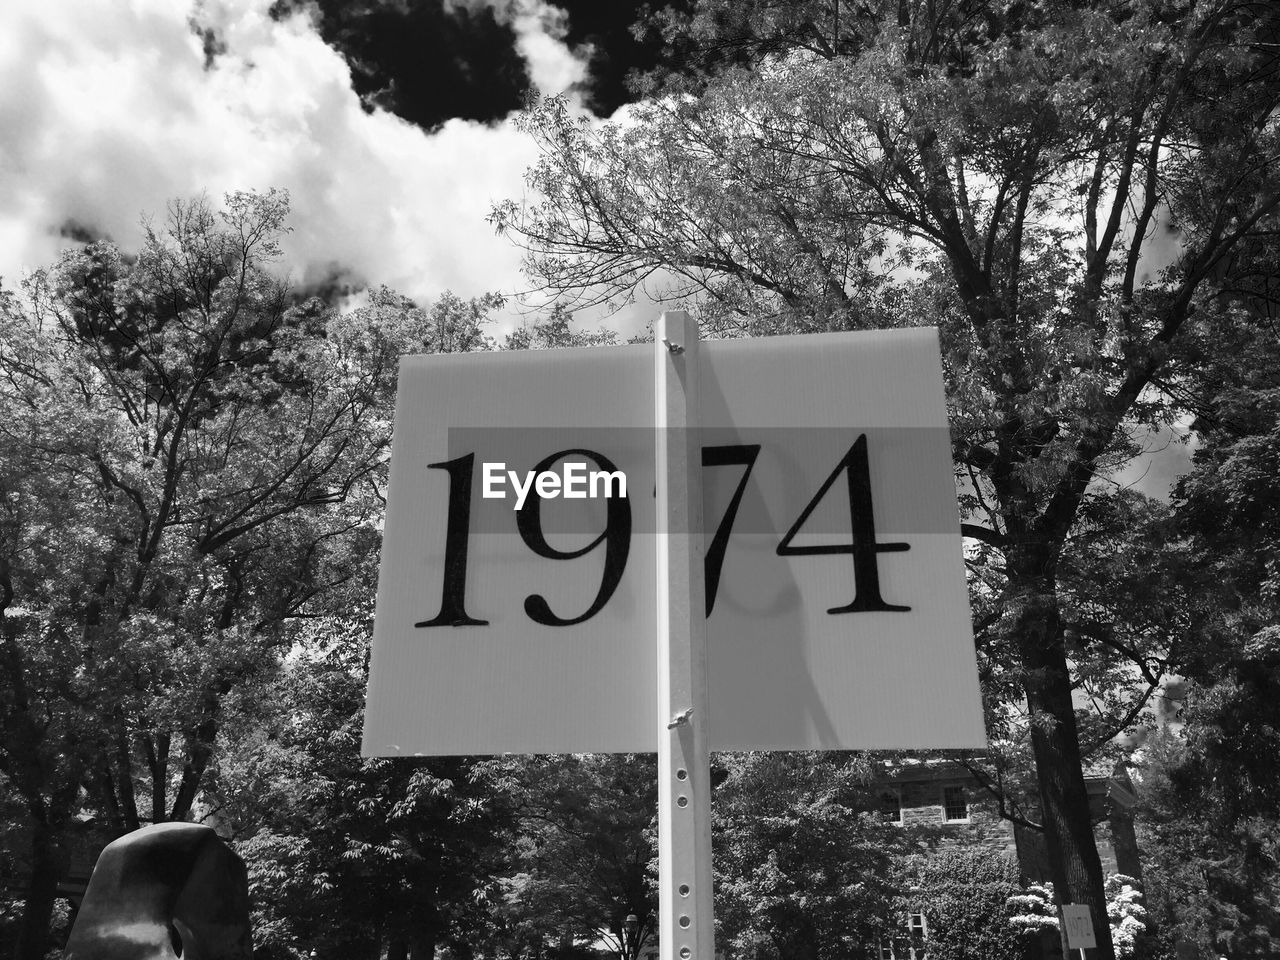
[(954, 805), (910, 947), (917, 928), (902, 949), (891, 806)]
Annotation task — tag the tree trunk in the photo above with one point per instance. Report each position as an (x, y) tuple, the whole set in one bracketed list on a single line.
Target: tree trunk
[(422, 948), (199, 752), (124, 778), (158, 762), (48, 864), (398, 950), (1074, 866)]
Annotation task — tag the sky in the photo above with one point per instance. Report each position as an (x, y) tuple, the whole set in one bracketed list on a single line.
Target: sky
[(388, 122)]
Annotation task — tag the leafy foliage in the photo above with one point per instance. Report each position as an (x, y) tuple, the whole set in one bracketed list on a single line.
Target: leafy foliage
[(1210, 882), (1081, 196), (1210, 813), (346, 854), (965, 896), (801, 866), (1126, 912), (194, 467), (553, 331), (1229, 509), (1032, 910), (583, 854)]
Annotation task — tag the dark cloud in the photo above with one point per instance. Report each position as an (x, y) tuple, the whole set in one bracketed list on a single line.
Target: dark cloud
[(211, 43), (73, 229), (430, 61), (333, 285), (606, 27), (421, 61)]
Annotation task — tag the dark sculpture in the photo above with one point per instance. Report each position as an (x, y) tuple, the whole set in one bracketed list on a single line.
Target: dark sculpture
[(165, 891)]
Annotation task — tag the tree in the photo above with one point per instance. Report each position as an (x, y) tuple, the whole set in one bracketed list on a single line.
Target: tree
[(553, 331), (1227, 509), (583, 853), (964, 896), (10, 844), (1212, 882), (350, 856), (1010, 174), (802, 870), (1211, 812), (192, 462)]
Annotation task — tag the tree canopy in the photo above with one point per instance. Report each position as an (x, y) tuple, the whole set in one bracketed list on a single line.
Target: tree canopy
[(194, 466), (1210, 814), (1081, 196), (802, 869)]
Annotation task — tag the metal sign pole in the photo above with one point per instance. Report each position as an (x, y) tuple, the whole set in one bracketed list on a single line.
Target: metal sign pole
[(686, 928)]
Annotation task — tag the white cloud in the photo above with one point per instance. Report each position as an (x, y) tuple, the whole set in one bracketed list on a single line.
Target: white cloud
[(540, 29), (108, 110), (1166, 456)]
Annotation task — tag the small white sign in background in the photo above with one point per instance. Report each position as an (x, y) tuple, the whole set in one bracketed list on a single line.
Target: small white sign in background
[(1078, 922), (861, 415)]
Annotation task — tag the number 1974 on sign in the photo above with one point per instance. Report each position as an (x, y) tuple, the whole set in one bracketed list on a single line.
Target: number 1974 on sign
[(862, 547)]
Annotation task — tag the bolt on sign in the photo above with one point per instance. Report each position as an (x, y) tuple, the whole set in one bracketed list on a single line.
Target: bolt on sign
[(516, 604)]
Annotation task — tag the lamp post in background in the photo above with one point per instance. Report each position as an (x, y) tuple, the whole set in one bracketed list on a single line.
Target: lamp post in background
[(630, 928)]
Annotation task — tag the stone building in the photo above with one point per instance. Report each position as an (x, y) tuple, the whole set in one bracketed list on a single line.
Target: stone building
[(944, 804)]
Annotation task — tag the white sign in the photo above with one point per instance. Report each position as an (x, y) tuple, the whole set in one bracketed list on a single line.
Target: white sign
[(1078, 922), (838, 611)]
